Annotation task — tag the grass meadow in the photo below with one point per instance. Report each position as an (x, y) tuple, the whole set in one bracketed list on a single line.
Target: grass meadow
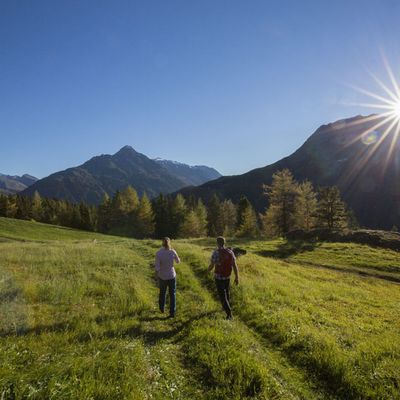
[(79, 320)]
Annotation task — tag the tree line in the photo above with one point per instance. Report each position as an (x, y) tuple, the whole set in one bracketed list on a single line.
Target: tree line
[(291, 205)]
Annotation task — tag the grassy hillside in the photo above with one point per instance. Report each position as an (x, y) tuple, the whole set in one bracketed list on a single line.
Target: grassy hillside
[(78, 320), (16, 229)]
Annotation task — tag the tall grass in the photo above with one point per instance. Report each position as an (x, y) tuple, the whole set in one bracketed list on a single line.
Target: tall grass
[(79, 319)]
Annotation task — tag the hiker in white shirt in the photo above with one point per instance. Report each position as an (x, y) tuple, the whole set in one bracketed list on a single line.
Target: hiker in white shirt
[(165, 258)]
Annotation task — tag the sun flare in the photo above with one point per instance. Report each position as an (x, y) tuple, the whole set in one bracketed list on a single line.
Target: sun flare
[(396, 109), (387, 121)]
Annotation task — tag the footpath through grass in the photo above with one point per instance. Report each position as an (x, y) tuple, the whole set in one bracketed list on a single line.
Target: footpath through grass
[(78, 320)]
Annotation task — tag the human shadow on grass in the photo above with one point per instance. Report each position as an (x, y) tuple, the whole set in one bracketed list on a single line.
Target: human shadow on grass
[(154, 318), (288, 249), (152, 337)]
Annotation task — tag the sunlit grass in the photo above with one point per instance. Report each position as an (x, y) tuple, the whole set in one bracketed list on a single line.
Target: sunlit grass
[(78, 319)]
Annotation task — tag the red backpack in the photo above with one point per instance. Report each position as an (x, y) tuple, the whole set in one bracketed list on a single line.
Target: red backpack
[(225, 261)]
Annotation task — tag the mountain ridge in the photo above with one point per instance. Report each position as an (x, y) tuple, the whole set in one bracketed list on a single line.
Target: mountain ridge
[(108, 173), (339, 153), (12, 184)]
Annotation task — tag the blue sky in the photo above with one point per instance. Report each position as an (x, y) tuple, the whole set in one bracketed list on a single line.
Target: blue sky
[(231, 84)]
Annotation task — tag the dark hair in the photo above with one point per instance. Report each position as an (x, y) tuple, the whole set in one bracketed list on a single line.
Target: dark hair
[(166, 242), (220, 241)]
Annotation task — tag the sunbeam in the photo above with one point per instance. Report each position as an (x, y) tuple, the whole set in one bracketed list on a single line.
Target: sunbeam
[(388, 120)]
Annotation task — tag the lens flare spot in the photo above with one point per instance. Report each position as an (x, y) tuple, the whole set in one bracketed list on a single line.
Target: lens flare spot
[(369, 138)]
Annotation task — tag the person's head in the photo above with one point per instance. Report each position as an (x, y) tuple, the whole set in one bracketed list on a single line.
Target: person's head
[(166, 242), (220, 241)]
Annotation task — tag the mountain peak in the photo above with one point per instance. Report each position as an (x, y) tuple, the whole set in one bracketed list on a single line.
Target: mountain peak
[(109, 173), (11, 184), (126, 149)]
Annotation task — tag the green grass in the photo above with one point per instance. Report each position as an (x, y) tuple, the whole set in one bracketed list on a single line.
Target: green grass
[(78, 320), (23, 230)]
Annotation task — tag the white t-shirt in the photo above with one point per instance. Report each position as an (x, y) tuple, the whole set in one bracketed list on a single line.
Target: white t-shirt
[(165, 263)]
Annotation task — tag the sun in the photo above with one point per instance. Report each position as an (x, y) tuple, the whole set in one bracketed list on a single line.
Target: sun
[(385, 125), (396, 109), (388, 120)]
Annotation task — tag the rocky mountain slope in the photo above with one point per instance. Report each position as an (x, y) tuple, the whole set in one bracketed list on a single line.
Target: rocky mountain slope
[(350, 153)]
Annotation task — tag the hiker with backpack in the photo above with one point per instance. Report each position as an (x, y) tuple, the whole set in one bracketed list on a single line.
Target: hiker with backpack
[(223, 260), (165, 258)]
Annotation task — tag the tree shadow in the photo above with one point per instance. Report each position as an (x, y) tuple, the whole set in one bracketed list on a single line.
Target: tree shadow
[(289, 248)]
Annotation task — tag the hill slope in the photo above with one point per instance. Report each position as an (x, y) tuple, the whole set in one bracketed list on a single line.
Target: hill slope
[(109, 173), (341, 153), (11, 184), (78, 318)]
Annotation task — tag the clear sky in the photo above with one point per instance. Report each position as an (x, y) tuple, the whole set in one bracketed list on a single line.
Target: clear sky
[(231, 84)]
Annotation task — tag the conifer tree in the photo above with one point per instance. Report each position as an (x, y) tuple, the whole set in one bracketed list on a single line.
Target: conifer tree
[(75, 219), (191, 202), (64, 213), (201, 214), (36, 206), (162, 220), (124, 207), (249, 225), (23, 207), (191, 226), (352, 222), (242, 206), (331, 210), (3, 205), (11, 206), (49, 211), (229, 217), (305, 206), (195, 224), (117, 210), (178, 212), (281, 194), (86, 222), (144, 218), (104, 214), (129, 200), (214, 217)]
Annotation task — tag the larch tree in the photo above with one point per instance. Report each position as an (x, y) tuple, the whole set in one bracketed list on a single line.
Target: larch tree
[(249, 224), (282, 193), (36, 206), (162, 220), (191, 225), (201, 214), (229, 217), (331, 210), (214, 218), (104, 214), (305, 206), (144, 218), (178, 212)]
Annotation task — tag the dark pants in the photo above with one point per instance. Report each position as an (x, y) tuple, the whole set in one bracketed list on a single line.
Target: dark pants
[(223, 293), (171, 285)]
